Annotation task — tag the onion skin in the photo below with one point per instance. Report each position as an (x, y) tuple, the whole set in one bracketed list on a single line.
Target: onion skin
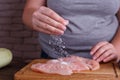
[(5, 57)]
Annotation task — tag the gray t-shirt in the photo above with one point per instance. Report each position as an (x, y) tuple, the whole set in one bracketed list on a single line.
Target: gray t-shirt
[(90, 21)]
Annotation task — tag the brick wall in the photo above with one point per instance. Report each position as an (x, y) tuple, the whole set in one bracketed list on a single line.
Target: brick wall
[(13, 33)]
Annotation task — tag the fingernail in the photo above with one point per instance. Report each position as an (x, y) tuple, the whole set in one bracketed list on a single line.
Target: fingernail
[(94, 58), (104, 60), (64, 28), (61, 32), (91, 53), (98, 60), (66, 22)]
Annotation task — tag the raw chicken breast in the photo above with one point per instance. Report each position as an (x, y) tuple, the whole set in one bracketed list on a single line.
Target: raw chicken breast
[(54, 67), (66, 66)]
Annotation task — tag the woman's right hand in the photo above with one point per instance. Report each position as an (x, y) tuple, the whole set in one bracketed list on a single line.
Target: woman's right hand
[(47, 21)]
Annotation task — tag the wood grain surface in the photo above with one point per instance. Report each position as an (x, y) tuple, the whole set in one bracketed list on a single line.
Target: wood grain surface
[(106, 72), (117, 71)]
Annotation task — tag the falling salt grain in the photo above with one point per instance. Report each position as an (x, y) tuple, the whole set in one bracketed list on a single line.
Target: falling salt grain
[(58, 45)]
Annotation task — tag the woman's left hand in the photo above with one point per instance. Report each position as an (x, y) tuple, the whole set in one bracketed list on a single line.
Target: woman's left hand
[(104, 51)]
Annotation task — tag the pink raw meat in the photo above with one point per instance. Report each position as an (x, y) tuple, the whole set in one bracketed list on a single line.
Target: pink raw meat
[(66, 66), (54, 67)]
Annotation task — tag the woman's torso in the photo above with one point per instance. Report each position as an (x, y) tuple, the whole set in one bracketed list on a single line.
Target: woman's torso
[(90, 21)]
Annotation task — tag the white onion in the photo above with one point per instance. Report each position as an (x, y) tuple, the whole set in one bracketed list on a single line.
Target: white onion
[(5, 57)]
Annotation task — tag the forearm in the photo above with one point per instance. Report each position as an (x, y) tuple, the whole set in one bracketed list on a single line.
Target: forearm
[(116, 40), (30, 7)]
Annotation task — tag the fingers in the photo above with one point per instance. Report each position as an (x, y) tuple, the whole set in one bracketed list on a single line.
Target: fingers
[(52, 14), (104, 55), (50, 21), (109, 58), (42, 27), (47, 21), (42, 30), (96, 47), (104, 51)]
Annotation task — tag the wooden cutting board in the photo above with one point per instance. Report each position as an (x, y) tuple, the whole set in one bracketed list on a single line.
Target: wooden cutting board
[(106, 72), (117, 70)]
